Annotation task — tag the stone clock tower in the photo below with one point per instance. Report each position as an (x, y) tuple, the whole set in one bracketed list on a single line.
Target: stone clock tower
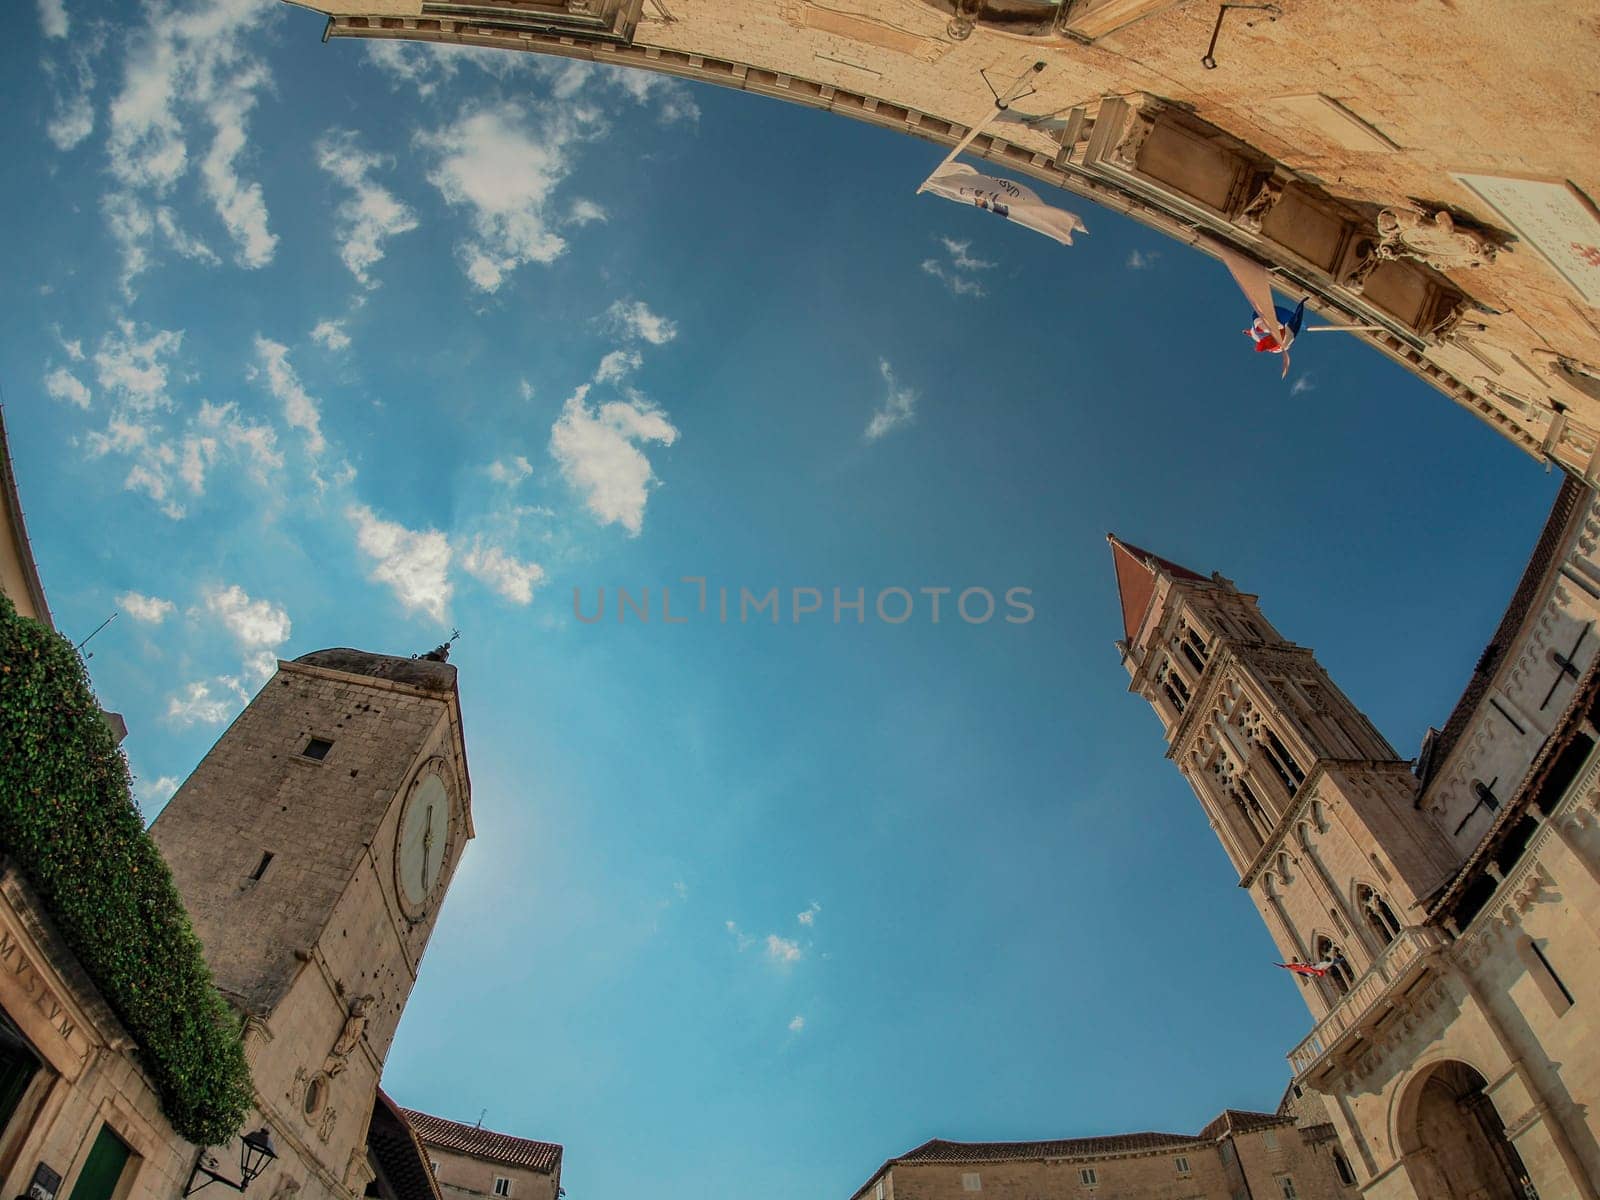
[(313, 846), (1313, 807)]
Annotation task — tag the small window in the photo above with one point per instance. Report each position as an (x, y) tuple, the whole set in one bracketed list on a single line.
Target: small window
[(1287, 1185), (502, 1186), (1342, 1165), (317, 748), (261, 867), (316, 1095), (1270, 1137), (1182, 1164), (433, 1165), (1088, 1176), (878, 1194), (970, 1182)]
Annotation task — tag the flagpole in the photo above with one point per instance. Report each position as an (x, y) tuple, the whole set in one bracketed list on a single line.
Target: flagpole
[(1001, 103), (1343, 329)]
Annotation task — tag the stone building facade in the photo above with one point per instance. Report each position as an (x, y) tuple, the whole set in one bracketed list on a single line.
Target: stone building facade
[(1457, 895), (312, 847), (1426, 170), (473, 1163), (1268, 1156)]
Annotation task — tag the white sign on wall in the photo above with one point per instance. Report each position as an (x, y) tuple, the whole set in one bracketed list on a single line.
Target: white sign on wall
[(1554, 218)]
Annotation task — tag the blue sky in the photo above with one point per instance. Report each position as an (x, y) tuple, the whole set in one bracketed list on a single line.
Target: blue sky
[(315, 345)]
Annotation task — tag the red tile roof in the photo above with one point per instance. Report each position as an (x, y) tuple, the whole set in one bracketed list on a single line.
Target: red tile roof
[(544, 1157), (1136, 584), (393, 1142), (1232, 1120), (939, 1150)]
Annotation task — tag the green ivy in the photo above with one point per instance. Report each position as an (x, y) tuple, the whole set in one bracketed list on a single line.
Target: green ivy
[(68, 820)]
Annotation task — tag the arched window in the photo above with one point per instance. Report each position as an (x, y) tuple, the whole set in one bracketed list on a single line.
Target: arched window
[(1342, 1165), (1339, 973), (1172, 683), (1379, 916)]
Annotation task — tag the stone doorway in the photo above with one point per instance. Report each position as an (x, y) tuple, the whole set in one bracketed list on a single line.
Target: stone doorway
[(1462, 1141)]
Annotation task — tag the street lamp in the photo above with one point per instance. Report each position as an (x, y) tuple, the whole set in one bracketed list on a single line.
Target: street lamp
[(256, 1151)]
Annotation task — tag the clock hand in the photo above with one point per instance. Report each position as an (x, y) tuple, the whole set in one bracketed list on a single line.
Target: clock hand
[(427, 848)]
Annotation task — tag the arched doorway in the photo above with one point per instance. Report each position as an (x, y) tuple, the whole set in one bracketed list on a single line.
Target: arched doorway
[(1462, 1140)]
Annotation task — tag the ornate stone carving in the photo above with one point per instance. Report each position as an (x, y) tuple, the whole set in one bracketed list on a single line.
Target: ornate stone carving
[(1356, 279), (1265, 199), (1126, 153), (330, 1118), (354, 1026), (1435, 240)]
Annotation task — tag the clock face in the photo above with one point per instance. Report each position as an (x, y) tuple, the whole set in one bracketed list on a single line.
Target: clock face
[(424, 837)]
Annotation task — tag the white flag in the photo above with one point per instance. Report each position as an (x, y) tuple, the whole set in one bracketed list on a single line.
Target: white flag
[(961, 183)]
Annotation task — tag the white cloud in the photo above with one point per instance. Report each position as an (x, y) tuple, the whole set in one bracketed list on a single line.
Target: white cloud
[(152, 610), (53, 18), (123, 435), (634, 319), (134, 368), (959, 275), (217, 427), (525, 389), (239, 204), (72, 122), (672, 101), (783, 950), (331, 334), (616, 365), (62, 384), (414, 563), (185, 243), (197, 707), (73, 348), (510, 471), (1301, 385), (682, 889), (491, 163), (300, 410), (506, 575), (255, 624), (153, 482), (197, 63), (797, 1024), (899, 405), (585, 212), (421, 68), (961, 259), (133, 226), (959, 285), (1142, 260), (741, 939), (599, 457), (371, 214), (809, 917), (155, 791)]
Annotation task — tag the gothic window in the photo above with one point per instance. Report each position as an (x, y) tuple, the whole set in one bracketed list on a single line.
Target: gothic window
[(1339, 974), (1173, 685), (1379, 917), (1285, 759)]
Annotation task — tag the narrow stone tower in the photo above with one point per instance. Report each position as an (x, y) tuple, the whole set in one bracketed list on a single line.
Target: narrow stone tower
[(313, 846), (1312, 805)]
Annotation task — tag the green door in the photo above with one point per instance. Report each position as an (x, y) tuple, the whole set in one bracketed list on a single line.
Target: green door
[(102, 1168)]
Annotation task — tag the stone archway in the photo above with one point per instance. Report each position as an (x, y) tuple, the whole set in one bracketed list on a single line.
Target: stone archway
[(1459, 1142)]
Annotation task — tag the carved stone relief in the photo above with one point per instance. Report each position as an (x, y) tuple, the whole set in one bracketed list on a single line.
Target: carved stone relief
[(1436, 240)]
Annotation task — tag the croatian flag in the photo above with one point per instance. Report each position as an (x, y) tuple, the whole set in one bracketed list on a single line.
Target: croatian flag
[(961, 183), (1319, 969)]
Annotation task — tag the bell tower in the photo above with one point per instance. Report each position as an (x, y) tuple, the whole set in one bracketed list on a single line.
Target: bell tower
[(313, 846), (1311, 804)]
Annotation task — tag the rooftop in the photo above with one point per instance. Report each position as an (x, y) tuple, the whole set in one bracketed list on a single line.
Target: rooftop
[(1136, 582), (544, 1157)]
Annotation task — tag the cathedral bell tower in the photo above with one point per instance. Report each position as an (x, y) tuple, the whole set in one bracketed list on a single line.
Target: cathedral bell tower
[(1312, 805), (313, 846)]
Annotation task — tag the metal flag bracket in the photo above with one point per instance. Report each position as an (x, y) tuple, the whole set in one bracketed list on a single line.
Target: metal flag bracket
[(1208, 59)]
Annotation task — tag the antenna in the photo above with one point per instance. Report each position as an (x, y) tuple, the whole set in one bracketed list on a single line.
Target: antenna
[(79, 647), (485, 1112)]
